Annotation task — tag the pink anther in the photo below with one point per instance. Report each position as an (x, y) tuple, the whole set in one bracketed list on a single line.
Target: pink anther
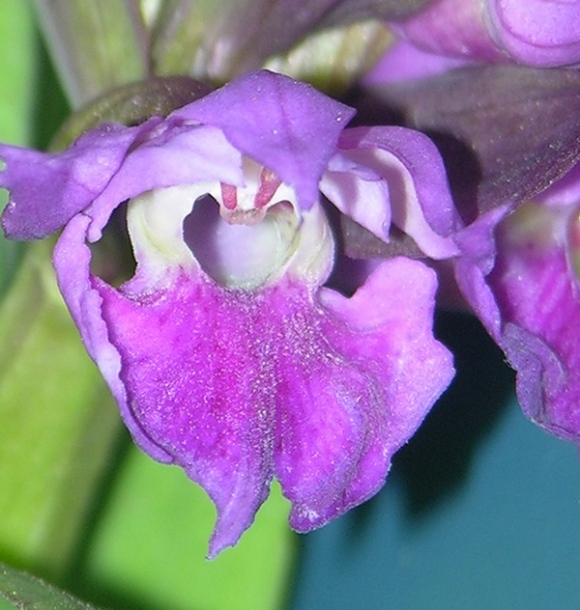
[(269, 183), (229, 196)]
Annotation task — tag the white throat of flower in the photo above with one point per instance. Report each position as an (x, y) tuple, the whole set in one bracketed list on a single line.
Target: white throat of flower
[(243, 237)]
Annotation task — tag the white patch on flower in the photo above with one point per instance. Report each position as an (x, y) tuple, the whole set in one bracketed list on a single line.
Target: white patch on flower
[(241, 255), (241, 236), (155, 225)]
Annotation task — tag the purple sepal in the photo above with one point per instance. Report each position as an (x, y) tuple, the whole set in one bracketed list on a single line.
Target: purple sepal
[(47, 190), (400, 171), (283, 124)]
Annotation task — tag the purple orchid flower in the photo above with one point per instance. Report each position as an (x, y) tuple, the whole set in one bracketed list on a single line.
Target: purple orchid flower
[(520, 275), (226, 353), (510, 136), (450, 33)]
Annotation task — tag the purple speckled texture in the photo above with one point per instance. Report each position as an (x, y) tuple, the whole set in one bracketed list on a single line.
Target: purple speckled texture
[(287, 379)]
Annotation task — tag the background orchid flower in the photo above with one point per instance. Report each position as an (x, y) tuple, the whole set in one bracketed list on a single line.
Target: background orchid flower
[(61, 453), (226, 354), (520, 275), (509, 135), (448, 33)]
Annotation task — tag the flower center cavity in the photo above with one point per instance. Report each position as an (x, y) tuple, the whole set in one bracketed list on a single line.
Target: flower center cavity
[(245, 249), (241, 236)]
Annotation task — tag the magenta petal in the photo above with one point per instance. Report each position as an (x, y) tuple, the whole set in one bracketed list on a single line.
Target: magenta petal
[(283, 124), (350, 395), (47, 190), (541, 314), (198, 383), (236, 387)]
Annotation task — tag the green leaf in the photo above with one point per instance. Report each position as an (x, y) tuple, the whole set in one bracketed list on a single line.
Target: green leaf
[(17, 53), (148, 549), (57, 419), (95, 45), (29, 593)]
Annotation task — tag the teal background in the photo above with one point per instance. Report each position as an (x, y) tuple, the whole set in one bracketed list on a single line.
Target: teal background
[(481, 510)]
